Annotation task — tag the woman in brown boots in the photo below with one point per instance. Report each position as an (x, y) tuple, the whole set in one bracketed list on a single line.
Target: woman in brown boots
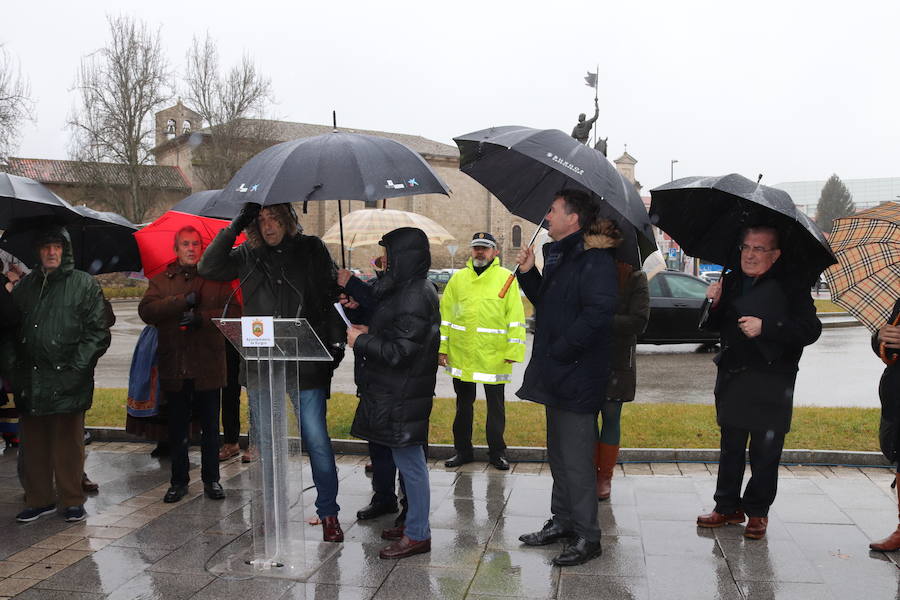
[(889, 392), (631, 318)]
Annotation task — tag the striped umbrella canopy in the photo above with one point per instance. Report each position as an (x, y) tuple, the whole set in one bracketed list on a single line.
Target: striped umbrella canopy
[(866, 280), (367, 226)]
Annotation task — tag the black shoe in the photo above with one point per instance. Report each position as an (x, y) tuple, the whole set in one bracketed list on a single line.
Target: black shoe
[(74, 514), (500, 463), (175, 493), (162, 449), (457, 461), (376, 510), (552, 532), (579, 551), (214, 491)]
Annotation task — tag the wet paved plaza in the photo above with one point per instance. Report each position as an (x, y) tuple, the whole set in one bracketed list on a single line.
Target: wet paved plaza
[(134, 546)]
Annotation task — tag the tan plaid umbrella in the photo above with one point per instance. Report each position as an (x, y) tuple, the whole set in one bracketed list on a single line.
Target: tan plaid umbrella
[(866, 280), (367, 226)]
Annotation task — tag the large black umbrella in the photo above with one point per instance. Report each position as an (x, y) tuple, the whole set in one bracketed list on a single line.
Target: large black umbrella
[(24, 198), (102, 242), (333, 166), (525, 168), (706, 216), (205, 204)]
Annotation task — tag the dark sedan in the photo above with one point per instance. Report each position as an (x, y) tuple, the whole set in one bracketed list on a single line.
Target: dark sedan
[(676, 300)]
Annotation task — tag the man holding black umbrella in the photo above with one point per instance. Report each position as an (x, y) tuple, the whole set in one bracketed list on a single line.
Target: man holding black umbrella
[(765, 320), (286, 274), (574, 300)]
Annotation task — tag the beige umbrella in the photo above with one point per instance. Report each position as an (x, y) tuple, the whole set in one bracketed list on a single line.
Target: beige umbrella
[(367, 226)]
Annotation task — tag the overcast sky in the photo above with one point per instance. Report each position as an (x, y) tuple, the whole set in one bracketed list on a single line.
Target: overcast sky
[(792, 89)]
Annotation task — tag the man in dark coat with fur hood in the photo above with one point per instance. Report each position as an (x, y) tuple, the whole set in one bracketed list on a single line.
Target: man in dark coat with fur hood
[(574, 301)]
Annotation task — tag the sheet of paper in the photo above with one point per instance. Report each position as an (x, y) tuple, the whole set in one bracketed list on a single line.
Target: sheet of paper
[(340, 308)]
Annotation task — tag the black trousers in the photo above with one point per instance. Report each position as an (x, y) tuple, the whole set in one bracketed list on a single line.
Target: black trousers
[(182, 405), (231, 398), (465, 411), (765, 454), (570, 452)]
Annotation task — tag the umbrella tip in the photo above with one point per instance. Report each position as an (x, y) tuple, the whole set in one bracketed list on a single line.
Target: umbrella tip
[(334, 120), (759, 178)]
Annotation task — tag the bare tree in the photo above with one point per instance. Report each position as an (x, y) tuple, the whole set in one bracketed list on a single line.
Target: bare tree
[(15, 102), (120, 87), (232, 105)]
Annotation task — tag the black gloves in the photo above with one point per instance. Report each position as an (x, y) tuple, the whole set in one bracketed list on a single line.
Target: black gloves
[(190, 320), (337, 355), (248, 213), (191, 299)]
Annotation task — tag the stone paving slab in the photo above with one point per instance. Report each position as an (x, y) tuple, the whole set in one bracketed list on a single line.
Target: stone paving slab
[(135, 546)]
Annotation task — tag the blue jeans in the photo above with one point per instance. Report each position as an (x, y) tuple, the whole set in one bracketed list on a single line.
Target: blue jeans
[(411, 463), (310, 407)]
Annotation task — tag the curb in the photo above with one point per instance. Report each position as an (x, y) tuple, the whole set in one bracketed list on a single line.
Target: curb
[(845, 458)]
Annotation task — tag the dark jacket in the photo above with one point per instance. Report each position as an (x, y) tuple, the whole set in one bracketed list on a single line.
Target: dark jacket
[(755, 383), (297, 278), (889, 393), (196, 352), (574, 302), (397, 360), (630, 320), (63, 333), (9, 325)]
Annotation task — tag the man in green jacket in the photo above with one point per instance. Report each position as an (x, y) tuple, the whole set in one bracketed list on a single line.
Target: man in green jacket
[(62, 334), (482, 334)]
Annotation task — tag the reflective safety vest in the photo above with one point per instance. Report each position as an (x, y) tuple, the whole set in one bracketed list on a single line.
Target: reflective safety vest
[(479, 330)]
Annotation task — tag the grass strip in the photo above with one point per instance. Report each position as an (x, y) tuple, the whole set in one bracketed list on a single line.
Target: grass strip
[(643, 425)]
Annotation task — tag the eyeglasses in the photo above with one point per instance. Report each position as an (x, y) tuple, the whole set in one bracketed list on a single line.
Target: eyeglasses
[(754, 249)]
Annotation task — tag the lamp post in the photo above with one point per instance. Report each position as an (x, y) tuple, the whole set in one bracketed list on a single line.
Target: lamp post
[(672, 169)]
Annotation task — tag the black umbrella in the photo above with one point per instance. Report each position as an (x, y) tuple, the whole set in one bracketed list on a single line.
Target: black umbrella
[(525, 168), (334, 166), (706, 216), (24, 198), (102, 242), (205, 204)]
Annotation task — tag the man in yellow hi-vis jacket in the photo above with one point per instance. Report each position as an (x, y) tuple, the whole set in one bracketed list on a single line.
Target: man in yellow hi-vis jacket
[(481, 336)]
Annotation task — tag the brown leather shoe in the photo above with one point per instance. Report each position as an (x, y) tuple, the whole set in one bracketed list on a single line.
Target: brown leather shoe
[(756, 528), (228, 451), (405, 547), (889, 544), (87, 485), (714, 519), (393, 533), (331, 529), (250, 455)]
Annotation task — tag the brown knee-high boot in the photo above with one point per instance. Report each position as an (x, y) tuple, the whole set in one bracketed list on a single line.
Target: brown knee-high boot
[(605, 456), (891, 542)]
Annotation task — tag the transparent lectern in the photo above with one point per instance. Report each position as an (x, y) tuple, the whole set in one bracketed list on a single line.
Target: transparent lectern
[(278, 545)]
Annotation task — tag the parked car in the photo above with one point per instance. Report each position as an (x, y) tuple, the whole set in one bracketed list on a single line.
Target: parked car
[(676, 300), (439, 277)]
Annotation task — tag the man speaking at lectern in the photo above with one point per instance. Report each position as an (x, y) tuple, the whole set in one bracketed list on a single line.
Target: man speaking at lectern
[(286, 274)]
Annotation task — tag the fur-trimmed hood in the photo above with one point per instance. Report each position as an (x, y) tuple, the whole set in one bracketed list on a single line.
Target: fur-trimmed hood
[(603, 234)]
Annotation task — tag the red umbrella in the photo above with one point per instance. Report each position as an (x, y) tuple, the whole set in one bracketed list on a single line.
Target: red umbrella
[(156, 241)]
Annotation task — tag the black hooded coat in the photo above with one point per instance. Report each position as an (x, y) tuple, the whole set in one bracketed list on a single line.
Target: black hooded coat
[(396, 361)]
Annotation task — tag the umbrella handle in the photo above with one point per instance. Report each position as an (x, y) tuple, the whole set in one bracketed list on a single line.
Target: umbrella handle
[(505, 288), (882, 351), (512, 275)]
